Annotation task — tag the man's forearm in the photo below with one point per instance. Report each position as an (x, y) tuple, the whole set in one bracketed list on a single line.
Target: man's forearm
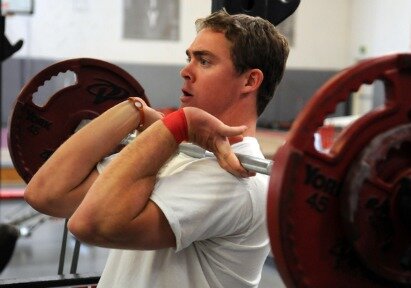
[(73, 161), (118, 201), (117, 211), (114, 209)]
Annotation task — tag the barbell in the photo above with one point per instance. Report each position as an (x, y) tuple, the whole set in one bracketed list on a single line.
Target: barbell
[(36, 130), (336, 218)]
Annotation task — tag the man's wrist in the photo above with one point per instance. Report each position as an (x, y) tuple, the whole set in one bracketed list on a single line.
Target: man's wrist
[(176, 123)]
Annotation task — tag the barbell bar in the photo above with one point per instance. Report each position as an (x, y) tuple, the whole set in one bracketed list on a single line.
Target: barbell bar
[(251, 163), (254, 164)]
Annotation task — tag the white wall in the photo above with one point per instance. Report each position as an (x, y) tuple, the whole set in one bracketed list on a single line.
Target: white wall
[(380, 27), (322, 37), (328, 33), (93, 28)]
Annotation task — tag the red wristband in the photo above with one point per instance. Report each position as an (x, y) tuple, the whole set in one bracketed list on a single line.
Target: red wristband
[(176, 123)]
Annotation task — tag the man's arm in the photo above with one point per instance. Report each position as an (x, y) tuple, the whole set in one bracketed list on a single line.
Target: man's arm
[(113, 209), (117, 211), (61, 183)]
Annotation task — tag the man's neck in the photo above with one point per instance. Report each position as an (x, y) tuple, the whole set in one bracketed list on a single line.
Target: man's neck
[(240, 117)]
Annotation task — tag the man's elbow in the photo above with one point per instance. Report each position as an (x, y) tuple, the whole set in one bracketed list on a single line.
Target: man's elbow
[(82, 230), (35, 198), (88, 230), (40, 196)]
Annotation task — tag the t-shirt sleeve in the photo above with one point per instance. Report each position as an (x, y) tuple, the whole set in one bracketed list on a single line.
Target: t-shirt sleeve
[(202, 201)]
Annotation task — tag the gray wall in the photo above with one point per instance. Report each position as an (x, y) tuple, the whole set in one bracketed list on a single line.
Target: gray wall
[(296, 88), (162, 84)]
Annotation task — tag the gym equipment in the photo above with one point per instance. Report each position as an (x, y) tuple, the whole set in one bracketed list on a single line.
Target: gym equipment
[(36, 131), (8, 238), (10, 232), (6, 48), (275, 11), (340, 218), (337, 217), (258, 165), (25, 146)]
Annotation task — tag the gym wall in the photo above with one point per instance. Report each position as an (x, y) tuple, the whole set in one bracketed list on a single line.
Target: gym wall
[(327, 37)]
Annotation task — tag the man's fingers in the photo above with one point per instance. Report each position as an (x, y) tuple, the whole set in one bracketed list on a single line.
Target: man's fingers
[(229, 131), (235, 139), (210, 133), (229, 161)]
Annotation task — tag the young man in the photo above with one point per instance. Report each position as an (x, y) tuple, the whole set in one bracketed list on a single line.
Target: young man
[(173, 220)]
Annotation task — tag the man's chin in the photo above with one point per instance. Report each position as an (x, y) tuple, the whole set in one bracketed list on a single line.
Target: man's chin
[(185, 104), (186, 100)]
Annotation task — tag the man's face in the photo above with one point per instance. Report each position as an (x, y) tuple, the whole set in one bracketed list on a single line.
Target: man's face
[(210, 80)]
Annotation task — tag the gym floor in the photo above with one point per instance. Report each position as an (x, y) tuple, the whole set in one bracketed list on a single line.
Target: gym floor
[(37, 254)]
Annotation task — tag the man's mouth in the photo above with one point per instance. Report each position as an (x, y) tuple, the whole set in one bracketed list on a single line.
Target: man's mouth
[(186, 93)]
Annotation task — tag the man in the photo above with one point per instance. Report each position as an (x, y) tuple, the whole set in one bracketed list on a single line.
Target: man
[(173, 220)]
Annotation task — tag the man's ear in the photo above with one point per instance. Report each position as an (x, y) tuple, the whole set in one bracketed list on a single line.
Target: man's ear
[(254, 78)]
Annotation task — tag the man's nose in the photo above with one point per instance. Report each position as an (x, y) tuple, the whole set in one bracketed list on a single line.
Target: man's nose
[(186, 73)]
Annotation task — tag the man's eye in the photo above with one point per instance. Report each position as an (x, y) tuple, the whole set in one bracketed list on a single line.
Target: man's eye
[(188, 59), (204, 62)]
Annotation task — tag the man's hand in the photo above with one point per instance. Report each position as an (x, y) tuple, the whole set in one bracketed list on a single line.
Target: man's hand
[(210, 133)]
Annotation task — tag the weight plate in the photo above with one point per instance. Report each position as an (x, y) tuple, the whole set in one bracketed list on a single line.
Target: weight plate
[(305, 219), (36, 131), (376, 205)]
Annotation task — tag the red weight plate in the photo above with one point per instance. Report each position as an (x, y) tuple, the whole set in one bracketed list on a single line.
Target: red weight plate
[(304, 215), (376, 205), (36, 131)]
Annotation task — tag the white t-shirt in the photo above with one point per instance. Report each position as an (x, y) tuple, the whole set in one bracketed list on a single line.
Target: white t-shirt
[(219, 222)]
